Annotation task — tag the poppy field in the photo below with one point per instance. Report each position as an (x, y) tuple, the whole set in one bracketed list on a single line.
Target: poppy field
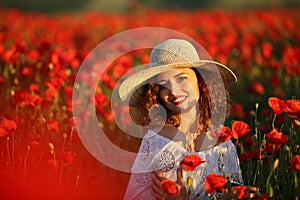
[(41, 154)]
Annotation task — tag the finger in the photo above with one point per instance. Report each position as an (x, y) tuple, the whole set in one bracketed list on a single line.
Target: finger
[(159, 173), (156, 179), (156, 184), (252, 189), (157, 191), (251, 192), (249, 196), (180, 179), (157, 196), (257, 193)]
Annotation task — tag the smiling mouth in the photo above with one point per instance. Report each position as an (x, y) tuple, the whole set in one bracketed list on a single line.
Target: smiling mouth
[(178, 100)]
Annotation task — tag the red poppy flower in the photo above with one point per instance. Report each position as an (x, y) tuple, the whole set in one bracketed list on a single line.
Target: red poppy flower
[(263, 197), (53, 165), (100, 100), (292, 108), (280, 119), (271, 148), (295, 163), (276, 137), (241, 190), (68, 91), (238, 110), (111, 84), (248, 143), (274, 80), (35, 146), (26, 71), (214, 182), (277, 105), (169, 186), (68, 157), (33, 55), (266, 49), (126, 61), (34, 87), (258, 154), (244, 157), (240, 129), (290, 56), (267, 149), (190, 162), (53, 126), (73, 121), (145, 59), (256, 87), (108, 81), (223, 134), (108, 116), (1, 80), (51, 91), (3, 132), (24, 98), (118, 70), (266, 128), (7, 126)]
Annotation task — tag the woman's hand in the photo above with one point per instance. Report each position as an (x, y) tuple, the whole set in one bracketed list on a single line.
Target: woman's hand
[(249, 193), (160, 194)]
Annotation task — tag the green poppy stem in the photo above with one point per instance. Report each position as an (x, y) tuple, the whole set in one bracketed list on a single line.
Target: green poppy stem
[(13, 149), (71, 137), (8, 154), (25, 161), (273, 121), (296, 180)]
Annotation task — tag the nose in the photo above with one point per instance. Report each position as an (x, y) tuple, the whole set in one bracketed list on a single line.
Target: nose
[(173, 88)]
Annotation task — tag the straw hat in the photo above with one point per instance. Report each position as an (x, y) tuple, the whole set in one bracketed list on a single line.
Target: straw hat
[(173, 54)]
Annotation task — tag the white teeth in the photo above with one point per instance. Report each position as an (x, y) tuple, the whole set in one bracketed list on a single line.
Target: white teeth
[(178, 99)]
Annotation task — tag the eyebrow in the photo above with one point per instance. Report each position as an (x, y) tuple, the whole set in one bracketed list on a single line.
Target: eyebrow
[(163, 80), (183, 73)]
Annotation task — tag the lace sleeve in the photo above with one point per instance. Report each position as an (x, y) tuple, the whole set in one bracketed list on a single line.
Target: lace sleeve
[(139, 185), (230, 165)]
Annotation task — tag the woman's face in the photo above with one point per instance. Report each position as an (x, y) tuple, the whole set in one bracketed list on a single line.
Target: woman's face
[(179, 90)]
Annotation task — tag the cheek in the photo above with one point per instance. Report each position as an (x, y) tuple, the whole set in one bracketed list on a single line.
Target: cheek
[(162, 95), (196, 92)]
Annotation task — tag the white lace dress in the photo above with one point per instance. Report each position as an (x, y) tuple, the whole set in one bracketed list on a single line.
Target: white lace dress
[(157, 152)]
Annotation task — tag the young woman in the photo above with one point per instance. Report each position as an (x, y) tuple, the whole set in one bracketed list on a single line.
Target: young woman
[(181, 100)]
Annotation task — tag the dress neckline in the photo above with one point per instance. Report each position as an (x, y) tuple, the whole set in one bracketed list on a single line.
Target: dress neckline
[(153, 133)]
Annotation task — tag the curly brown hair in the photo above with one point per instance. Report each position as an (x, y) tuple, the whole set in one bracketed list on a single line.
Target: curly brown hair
[(146, 96)]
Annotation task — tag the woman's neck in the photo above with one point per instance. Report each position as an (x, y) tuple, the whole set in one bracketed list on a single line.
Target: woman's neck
[(190, 120), (189, 126)]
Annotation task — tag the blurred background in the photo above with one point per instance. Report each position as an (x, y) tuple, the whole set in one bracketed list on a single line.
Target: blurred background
[(55, 6), (43, 43)]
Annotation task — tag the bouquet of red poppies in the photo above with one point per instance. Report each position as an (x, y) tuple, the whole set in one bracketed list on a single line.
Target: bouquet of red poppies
[(189, 163)]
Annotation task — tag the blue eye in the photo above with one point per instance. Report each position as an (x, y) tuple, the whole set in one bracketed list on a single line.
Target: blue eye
[(162, 86), (181, 78)]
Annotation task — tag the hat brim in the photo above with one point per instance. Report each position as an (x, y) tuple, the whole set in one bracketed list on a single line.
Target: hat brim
[(129, 85)]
